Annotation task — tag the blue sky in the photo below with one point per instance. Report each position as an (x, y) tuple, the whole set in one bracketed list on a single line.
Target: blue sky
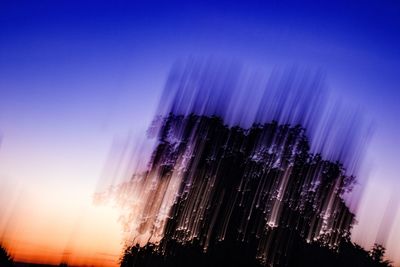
[(74, 75)]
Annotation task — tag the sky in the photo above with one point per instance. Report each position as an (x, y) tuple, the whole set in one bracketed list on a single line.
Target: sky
[(76, 77)]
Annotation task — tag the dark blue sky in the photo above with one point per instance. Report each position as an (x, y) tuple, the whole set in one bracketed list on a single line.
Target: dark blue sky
[(68, 41)]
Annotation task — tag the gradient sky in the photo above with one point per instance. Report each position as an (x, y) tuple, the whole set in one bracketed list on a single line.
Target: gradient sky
[(75, 76)]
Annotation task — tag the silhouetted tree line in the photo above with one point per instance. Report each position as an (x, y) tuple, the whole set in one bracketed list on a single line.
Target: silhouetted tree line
[(249, 197), (305, 255), (5, 259)]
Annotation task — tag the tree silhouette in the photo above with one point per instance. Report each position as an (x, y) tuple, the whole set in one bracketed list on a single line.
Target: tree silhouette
[(243, 197), (377, 254), (5, 258)]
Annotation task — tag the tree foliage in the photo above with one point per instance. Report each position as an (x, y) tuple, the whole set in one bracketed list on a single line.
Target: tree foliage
[(246, 197), (5, 258)]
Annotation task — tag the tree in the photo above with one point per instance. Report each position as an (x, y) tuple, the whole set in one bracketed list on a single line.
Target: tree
[(377, 252), (5, 258), (251, 197)]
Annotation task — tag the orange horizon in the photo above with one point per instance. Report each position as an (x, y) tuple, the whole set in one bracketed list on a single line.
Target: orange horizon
[(35, 254)]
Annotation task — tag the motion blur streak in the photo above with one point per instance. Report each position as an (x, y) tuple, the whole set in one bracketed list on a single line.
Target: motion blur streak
[(243, 156)]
